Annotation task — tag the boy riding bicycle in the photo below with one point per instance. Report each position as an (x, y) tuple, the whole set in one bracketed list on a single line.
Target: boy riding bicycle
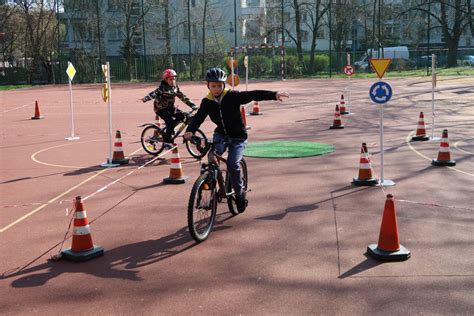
[(223, 107), (163, 105)]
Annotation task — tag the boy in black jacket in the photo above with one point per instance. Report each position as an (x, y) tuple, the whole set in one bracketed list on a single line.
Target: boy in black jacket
[(223, 107), (163, 105)]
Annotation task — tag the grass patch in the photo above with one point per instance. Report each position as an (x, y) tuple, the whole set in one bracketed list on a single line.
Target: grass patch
[(13, 87)]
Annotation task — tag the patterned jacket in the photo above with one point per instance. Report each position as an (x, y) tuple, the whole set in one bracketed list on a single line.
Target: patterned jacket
[(164, 97)]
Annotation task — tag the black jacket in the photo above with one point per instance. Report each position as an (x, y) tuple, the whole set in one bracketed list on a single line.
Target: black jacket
[(226, 115)]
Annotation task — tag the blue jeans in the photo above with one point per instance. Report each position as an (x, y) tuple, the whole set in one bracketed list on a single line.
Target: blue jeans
[(235, 153)]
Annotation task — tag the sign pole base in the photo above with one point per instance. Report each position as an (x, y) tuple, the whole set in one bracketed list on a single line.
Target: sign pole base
[(72, 138), (386, 183)]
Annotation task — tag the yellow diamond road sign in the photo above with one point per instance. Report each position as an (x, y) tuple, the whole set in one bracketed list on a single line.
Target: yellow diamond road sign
[(71, 71), (380, 65)]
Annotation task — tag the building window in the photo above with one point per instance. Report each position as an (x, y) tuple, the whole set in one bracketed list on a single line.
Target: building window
[(304, 36), (114, 34), (160, 31), (320, 33)]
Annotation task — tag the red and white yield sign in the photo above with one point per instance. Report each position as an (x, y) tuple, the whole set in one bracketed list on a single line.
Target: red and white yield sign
[(348, 70)]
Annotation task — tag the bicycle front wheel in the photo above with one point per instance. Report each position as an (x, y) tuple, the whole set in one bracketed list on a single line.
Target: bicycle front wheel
[(231, 199), (202, 208), (152, 140), (192, 148)]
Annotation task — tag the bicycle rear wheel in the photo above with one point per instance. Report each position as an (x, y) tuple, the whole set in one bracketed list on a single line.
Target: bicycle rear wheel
[(231, 199), (152, 140), (202, 208), (192, 148)]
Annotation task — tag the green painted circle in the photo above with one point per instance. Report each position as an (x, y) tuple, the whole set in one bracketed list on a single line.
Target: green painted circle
[(286, 149)]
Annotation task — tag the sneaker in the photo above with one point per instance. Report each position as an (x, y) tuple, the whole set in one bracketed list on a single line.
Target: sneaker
[(241, 201), (167, 146)]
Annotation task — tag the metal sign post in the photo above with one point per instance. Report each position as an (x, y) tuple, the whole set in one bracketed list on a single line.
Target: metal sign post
[(433, 87), (246, 64), (71, 71), (107, 96), (380, 93)]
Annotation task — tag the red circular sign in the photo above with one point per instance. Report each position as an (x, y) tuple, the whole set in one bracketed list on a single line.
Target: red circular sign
[(348, 70)]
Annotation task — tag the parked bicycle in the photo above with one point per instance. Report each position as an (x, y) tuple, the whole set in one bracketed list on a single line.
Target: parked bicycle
[(211, 187), (152, 137)]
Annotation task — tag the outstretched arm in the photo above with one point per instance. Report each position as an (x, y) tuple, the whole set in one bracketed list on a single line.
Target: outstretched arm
[(152, 95), (282, 94), (186, 100)]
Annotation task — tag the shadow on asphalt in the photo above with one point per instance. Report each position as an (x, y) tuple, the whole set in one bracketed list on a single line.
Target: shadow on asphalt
[(312, 206), (367, 264), (117, 263)]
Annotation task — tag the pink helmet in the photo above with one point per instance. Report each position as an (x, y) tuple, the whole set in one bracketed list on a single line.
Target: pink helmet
[(169, 73)]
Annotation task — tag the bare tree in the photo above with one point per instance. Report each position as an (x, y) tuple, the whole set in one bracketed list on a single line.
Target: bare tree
[(130, 16), (39, 18), (297, 38), (315, 11), (453, 17)]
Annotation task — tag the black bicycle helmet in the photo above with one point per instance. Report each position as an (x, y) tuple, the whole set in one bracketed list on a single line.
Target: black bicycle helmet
[(216, 75)]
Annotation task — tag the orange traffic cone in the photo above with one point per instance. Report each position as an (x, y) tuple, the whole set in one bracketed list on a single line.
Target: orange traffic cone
[(420, 130), (37, 112), (342, 106), (256, 109), (176, 170), (444, 156), (118, 156), (366, 177), (244, 118), (337, 123), (82, 248), (389, 247)]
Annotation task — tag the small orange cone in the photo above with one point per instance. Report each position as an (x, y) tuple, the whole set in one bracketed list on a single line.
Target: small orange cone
[(337, 123), (444, 156), (118, 156), (244, 118), (37, 112), (256, 109), (389, 247), (365, 169), (82, 248), (420, 130), (176, 170), (342, 106)]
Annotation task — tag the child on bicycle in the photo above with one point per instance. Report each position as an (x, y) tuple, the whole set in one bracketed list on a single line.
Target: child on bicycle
[(223, 107), (163, 105)]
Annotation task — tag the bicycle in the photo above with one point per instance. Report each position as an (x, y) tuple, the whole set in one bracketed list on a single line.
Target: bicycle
[(152, 137), (211, 187)]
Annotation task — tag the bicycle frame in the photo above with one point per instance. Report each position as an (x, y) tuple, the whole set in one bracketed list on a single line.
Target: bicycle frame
[(212, 166)]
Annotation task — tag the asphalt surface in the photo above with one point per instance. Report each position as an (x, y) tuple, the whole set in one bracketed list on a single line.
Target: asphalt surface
[(300, 248)]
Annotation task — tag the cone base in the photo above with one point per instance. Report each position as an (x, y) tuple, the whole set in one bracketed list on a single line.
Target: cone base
[(80, 256), (121, 161), (175, 180), (401, 255), (442, 163), (336, 126), (420, 138), (37, 117), (259, 113), (368, 182)]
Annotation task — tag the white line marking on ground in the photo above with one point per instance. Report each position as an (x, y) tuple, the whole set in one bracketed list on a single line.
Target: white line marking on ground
[(407, 140)]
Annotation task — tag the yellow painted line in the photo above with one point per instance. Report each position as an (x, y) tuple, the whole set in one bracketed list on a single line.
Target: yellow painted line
[(34, 155), (60, 195), (50, 201), (407, 140)]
